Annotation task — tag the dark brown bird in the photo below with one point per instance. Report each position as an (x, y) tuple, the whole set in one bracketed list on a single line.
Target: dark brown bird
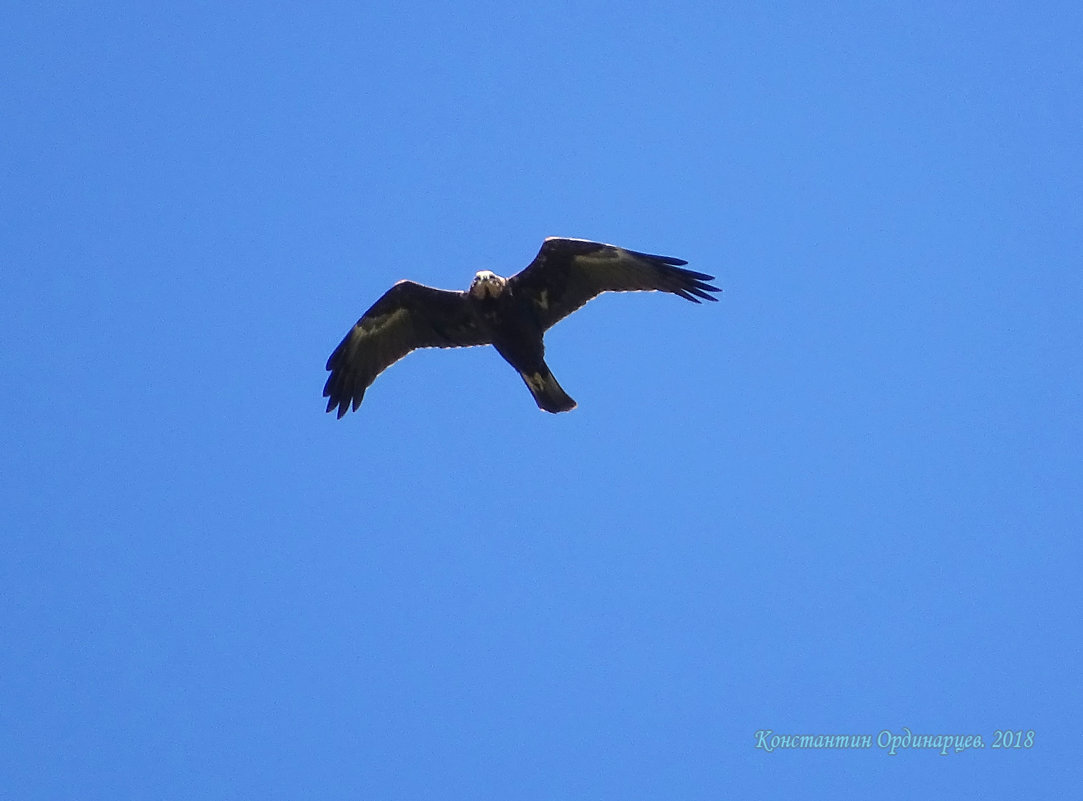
[(511, 314)]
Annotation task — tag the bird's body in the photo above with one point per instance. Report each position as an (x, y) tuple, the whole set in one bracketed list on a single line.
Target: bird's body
[(511, 322), (511, 314)]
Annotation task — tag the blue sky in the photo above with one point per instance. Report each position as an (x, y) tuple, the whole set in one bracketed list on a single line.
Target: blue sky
[(845, 499)]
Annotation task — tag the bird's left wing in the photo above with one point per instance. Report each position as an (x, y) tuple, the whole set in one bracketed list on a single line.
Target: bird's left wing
[(407, 317), (567, 273)]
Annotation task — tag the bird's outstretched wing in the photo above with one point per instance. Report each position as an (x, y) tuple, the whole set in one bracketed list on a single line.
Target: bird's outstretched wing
[(408, 316), (567, 273)]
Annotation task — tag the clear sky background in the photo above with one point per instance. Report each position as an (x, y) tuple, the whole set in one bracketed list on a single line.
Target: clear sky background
[(844, 499)]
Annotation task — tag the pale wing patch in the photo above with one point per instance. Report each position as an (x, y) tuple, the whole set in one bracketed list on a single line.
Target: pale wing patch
[(606, 254), (372, 329), (374, 326)]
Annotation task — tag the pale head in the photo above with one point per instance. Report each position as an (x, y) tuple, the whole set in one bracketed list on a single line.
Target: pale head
[(487, 284)]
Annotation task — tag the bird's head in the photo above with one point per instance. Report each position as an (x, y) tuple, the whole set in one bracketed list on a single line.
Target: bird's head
[(487, 284)]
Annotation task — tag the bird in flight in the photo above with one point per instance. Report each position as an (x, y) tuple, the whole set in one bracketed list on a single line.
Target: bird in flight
[(511, 314)]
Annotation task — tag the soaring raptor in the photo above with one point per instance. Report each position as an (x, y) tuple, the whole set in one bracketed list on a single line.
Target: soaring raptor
[(511, 314)]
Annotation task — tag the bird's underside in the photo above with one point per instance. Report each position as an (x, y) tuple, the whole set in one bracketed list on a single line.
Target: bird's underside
[(512, 314)]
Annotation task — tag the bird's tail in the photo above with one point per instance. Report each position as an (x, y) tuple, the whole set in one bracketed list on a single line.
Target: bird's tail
[(549, 395)]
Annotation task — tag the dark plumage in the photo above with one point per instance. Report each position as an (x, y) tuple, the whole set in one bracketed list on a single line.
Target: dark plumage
[(511, 314)]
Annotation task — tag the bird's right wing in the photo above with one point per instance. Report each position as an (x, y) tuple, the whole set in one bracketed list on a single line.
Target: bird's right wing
[(407, 317)]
